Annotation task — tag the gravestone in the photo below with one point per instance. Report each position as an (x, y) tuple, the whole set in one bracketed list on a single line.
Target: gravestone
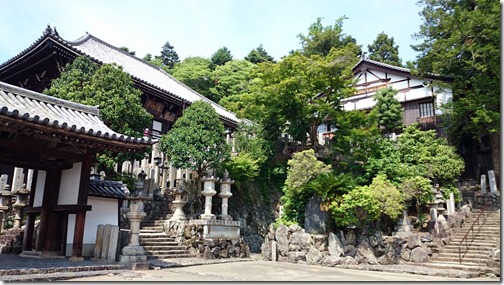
[(316, 220), (492, 182), (483, 183)]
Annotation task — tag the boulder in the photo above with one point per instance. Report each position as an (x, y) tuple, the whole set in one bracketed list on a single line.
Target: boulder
[(281, 236), (294, 257), (365, 254), (419, 255), (295, 228), (406, 254), (335, 246), (207, 254), (350, 250), (350, 237), (314, 256), (413, 241), (348, 260), (302, 239), (373, 241), (331, 261)]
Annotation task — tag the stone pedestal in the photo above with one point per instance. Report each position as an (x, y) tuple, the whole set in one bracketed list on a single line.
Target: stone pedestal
[(5, 203), (179, 202), (225, 194), (21, 202), (208, 192), (134, 254)]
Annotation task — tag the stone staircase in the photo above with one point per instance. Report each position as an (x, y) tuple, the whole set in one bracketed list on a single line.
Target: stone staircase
[(480, 245), (157, 244)]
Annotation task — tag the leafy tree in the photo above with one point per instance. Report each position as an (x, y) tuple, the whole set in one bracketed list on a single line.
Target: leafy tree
[(321, 39), (303, 167), (231, 78), (133, 53), (461, 40), (384, 50), (252, 153), (195, 72), (109, 87), (419, 189), (389, 110), (147, 57), (221, 56), (365, 204), (169, 56), (259, 55), (197, 140)]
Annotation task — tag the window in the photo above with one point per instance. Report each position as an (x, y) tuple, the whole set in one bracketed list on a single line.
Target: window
[(426, 110)]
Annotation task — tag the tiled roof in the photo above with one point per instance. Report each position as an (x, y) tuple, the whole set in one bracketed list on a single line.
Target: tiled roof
[(42, 109), (389, 66), (143, 71), (107, 189)]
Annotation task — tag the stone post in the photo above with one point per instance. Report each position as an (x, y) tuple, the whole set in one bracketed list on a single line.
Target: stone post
[(21, 202), (208, 192), (492, 182), (134, 254), (3, 181), (225, 194), (5, 203), (483, 183), (451, 204), (179, 202), (17, 179)]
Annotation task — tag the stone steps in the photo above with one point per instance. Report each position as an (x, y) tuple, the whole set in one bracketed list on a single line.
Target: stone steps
[(480, 244)]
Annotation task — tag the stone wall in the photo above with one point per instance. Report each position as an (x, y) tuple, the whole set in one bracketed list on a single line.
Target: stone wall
[(191, 236), (349, 247)]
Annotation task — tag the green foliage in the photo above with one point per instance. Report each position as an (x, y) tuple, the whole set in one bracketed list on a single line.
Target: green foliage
[(418, 189), (221, 56), (169, 56), (367, 204), (329, 186), (303, 167), (109, 87), (461, 40), (197, 139), (384, 50), (126, 49), (389, 110), (320, 40), (259, 55), (231, 78), (243, 167), (195, 72)]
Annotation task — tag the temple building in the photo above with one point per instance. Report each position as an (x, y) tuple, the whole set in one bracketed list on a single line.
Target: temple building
[(58, 141)]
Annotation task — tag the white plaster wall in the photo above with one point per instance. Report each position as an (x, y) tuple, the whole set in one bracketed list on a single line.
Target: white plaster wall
[(69, 187), (103, 211), (39, 188)]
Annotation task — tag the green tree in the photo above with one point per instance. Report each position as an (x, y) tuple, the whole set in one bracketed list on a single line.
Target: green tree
[(321, 39), (197, 140), (109, 87), (366, 204), (259, 55), (384, 49), (221, 56), (231, 78), (169, 56), (126, 49), (389, 110), (461, 40), (195, 72), (303, 167)]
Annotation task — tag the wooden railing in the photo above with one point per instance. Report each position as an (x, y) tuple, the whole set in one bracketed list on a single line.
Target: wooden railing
[(471, 230)]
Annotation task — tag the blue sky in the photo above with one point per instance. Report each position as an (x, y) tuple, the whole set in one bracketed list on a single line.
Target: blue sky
[(200, 27)]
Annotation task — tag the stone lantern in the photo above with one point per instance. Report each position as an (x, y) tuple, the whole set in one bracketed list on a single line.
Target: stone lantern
[(21, 202), (179, 202), (134, 254), (5, 202), (208, 191), (225, 194)]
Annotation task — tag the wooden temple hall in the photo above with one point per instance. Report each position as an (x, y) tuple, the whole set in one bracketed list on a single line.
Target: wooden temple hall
[(58, 140)]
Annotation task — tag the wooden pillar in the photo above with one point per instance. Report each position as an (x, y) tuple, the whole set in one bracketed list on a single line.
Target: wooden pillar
[(49, 200), (30, 219), (80, 219)]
